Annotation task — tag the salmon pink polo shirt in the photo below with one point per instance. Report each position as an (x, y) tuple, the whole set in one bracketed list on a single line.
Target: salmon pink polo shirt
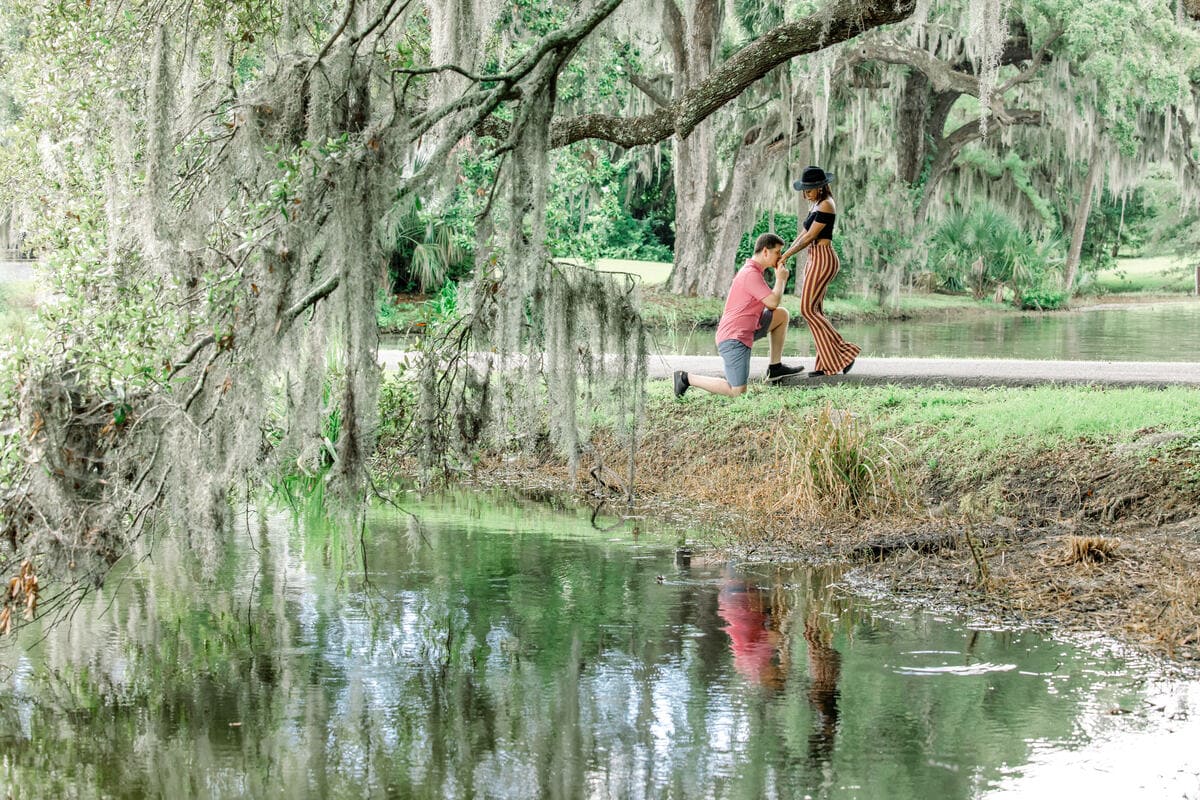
[(744, 306)]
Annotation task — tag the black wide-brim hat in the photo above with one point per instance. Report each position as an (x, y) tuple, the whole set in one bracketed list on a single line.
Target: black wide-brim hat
[(813, 178)]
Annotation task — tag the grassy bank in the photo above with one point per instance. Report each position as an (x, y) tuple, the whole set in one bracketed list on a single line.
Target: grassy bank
[(1076, 506), (1158, 275), (664, 310), (1132, 280)]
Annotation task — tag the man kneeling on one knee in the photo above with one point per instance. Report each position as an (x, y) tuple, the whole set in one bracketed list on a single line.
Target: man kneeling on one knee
[(752, 311)]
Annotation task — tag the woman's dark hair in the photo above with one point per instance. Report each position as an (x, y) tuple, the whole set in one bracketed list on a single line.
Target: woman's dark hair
[(766, 241), (823, 193)]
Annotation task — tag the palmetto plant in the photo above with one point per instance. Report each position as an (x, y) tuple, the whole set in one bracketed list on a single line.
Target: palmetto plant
[(424, 252), (984, 251)]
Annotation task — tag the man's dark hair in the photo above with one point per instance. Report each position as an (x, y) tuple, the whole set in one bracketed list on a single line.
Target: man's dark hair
[(766, 241)]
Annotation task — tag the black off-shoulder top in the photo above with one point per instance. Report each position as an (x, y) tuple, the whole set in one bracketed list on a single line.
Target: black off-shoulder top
[(821, 216)]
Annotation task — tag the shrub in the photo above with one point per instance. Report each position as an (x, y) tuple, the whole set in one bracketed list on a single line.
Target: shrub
[(425, 253), (835, 466), (1043, 299), (985, 251), (635, 239)]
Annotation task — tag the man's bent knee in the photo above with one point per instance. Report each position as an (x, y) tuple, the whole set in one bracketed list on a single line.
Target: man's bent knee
[(780, 317)]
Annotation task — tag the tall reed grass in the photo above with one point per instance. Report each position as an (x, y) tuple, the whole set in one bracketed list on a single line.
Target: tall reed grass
[(834, 465)]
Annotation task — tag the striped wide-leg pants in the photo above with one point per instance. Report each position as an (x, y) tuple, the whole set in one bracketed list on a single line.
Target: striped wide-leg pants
[(834, 353)]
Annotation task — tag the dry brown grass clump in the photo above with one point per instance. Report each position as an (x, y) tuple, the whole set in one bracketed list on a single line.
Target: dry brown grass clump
[(1091, 549), (835, 465)]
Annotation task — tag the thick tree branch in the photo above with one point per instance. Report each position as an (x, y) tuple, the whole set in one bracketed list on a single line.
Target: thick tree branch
[(963, 135), (200, 344), (1035, 63), (487, 99), (336, 34), (560, 43), (318, 293), (648, 88), (1185, 131), (673, 29), (1016, 50), (949, 146), (442, 68), (942, 76), (844, 20)]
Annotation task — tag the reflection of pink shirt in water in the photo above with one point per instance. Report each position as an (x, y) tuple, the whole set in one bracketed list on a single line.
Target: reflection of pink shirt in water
[(747, 629), (744, 306)]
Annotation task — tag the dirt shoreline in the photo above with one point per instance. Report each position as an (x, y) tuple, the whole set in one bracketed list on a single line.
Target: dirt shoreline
[(1078, 540)]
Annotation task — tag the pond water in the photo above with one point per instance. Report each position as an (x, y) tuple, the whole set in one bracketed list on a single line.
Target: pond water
[(504, 651), (1159, 332)]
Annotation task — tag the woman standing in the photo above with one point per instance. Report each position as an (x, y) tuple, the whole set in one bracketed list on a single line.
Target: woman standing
[(834, 354)]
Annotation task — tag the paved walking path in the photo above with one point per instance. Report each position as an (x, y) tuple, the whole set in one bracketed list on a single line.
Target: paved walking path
[(908, 371), (937, 371), (964, 371), (16, 271)]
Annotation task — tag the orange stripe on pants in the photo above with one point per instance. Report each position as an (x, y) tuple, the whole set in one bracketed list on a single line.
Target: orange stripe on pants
[(833, 352)]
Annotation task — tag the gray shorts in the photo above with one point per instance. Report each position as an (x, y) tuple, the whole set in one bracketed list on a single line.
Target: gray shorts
[(737, 355)]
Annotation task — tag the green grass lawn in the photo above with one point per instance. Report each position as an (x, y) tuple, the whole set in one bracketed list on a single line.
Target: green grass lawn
[(1156, 274), (964, 430), (652, 273)]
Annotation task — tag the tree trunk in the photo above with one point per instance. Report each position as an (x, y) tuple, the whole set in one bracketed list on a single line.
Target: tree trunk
[(913, 136), (696, 269), (1081, 218), (933, 166), (709, 224), (710, 220), (1193, 8), (942, 164), (1116, 248), (699, 269)]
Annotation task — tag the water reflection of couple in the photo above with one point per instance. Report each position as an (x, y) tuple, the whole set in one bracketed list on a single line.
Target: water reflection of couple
[(758, 624)]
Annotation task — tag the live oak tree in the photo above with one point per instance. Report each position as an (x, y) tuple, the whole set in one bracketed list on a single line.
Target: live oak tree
[(222, 183), (219, 186), (1059, 98), (707, 195)]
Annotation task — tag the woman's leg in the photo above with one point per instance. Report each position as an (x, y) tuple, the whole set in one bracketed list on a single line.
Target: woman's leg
[(834, 353)]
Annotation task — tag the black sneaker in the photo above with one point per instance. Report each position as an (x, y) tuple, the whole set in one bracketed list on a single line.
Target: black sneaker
[(681, 382), (846, 371), (777, 371)]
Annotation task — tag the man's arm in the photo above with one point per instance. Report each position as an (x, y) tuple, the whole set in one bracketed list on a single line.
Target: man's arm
[(773, 300)]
